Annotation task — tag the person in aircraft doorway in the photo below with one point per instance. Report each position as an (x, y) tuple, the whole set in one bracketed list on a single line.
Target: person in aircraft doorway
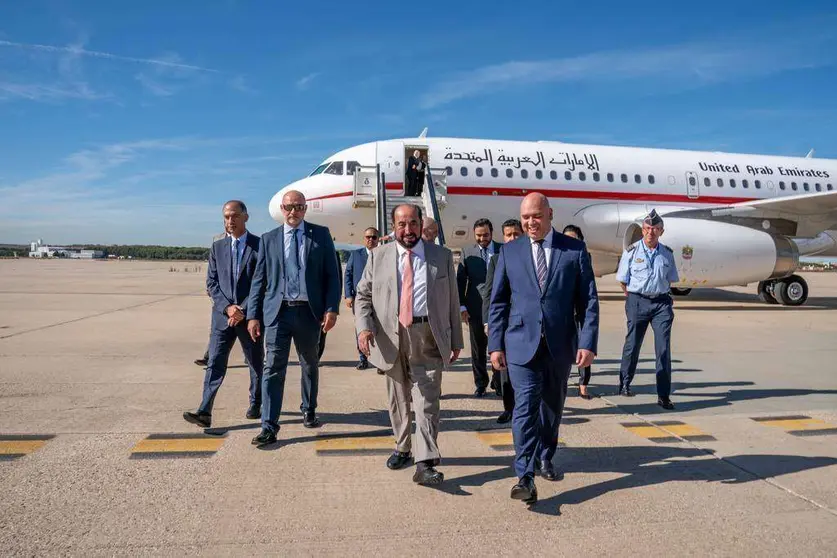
[(646, 271), (411, 174), (583, 373), (421, 169)]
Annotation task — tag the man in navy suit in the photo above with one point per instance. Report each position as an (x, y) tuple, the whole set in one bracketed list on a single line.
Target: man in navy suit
[(541, 283), (232, 261), (354, 272), (296, 295)]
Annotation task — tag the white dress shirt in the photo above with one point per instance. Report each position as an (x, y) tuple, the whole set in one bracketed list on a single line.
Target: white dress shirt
[(238, 257), (419, 277), (547, 248), (300, 241)]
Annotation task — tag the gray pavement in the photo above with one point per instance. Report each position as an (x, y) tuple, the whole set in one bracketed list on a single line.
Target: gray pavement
[(96, 370)]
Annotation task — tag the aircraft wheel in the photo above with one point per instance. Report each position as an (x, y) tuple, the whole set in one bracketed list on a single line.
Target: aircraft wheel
[(680, 292), (765, 291), (791, 291)]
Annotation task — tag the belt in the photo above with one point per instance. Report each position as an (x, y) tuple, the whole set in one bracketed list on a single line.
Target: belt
[(652, 296), (420, 319), (294, 303)]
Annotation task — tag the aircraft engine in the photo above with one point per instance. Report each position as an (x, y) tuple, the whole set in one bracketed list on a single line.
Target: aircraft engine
[(717, 254)]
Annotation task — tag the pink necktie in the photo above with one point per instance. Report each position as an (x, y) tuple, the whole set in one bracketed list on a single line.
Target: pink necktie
[(405, 311)]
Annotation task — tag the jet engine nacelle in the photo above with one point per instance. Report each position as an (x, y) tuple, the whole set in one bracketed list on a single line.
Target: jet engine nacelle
[(717, 254)]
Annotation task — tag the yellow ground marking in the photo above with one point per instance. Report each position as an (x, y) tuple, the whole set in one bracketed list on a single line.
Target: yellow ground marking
[(799, 425), (501, 439), (357, 445), (23, 447), (177, 445), (668, 431)]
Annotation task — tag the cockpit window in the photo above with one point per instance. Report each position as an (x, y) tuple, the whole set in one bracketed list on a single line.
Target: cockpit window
[(351, 166), (335, 168), (319, 169)]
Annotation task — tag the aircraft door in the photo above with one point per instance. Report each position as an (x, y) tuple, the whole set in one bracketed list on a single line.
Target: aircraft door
[(692, 186), (390, 155)]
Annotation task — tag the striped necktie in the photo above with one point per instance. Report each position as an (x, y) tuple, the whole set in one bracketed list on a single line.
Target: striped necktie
[(541, 267)]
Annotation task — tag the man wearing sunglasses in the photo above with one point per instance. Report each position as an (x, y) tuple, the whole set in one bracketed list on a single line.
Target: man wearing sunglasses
[(295, 296), (354, 271)]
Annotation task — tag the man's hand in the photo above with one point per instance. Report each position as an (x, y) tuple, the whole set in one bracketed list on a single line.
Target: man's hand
[(255, 329), (234, 311), (624, 288), (232, 322), (584, 358), (365, 339), (454, 354), (498, 360), (486, 329), (465, 316), (350, 302), (329, 321)]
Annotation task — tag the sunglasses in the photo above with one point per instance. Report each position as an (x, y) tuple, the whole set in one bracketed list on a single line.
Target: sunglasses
[(297, 206), (372, 237)]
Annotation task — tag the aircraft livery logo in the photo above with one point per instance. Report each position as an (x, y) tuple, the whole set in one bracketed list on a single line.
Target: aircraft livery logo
[(687, 252)]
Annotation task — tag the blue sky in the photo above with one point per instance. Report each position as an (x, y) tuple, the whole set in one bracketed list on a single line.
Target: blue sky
[(132, 122)]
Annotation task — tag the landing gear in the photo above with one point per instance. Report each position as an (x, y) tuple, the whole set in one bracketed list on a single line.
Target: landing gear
[(680, 292), (790, 291)]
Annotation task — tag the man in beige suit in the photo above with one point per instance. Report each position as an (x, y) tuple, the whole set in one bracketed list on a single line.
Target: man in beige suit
[(407, 313)]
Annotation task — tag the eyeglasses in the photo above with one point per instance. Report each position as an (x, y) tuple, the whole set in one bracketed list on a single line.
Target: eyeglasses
[(294, 206), (371, 237)]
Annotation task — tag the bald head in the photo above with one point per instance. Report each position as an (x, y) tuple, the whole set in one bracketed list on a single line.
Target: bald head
[(429, 229), (536, 215)]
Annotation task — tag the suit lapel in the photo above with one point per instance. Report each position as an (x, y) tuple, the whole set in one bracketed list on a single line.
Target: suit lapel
[(529, 262), (225, 264), (390, 261), (245, 258), (432, 265), (556, 255)]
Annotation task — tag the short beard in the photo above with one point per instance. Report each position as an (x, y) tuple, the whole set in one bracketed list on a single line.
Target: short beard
[(404, 242)]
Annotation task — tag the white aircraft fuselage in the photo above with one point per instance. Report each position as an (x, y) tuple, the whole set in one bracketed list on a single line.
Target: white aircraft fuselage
[(605, 190)]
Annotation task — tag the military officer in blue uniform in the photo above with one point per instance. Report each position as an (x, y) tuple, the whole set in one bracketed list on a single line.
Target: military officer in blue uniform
[(646, 271)]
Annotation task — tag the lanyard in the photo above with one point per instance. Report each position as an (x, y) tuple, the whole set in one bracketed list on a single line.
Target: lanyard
[(649, 258)]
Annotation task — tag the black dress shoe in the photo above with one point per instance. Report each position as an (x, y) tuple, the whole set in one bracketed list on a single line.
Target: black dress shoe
[(380, 372), (525, 490), (254, 412), (505, 417), (665, 403), (201, 361), (310, 420), (626, 391), (399, 460), (428, 476), (362, 365), (479, 392), (547, 471), (265, 437), (201, 419)]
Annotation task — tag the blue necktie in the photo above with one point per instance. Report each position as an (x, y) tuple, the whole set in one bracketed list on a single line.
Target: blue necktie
[(236, 263), (541, 265), (293, 267)]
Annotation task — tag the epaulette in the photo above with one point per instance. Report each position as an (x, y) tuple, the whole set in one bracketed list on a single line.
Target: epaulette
[(670, 251), (631, 248)]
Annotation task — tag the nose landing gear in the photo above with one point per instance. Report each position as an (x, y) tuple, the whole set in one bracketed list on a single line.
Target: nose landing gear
[(790, 291)]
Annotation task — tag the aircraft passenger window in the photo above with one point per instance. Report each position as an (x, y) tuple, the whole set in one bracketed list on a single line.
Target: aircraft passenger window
[(449, 171), (494, 173), (568, 176), (720, 183), (818, 187), (745, 184), (793, 186), (351, 166), (510, 173), (610, 177), (463, 171), (692, 180), (758, 184), (637, 178), (651, 179), (732, 183), (582, 176), (524, 173), (828, 187), (335, 168), (478, 171), (805, 185), (781, 185), (707, 182), (624, 178), (553, 175), (538, 174), (596, 177), (319, 169)]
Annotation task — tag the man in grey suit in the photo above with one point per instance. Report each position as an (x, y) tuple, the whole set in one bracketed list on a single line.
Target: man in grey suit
[(295, 295), (407, 313), (232, 261), (470, 277)]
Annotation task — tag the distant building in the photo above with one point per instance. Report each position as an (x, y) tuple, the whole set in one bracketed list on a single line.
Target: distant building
[(37, 249)]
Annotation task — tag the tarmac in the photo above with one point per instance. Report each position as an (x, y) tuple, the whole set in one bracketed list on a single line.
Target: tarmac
[(96, 369)]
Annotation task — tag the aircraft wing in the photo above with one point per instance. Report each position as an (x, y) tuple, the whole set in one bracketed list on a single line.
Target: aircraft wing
[(804, 215)]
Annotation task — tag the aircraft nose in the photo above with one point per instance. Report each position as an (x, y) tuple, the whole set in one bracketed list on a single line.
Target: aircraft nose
[(275, 205)]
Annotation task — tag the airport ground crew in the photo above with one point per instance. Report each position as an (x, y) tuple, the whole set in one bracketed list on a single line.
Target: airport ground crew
[(646, 271)]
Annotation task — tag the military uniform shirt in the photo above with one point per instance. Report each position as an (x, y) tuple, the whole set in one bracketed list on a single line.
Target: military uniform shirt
[(647, 272)]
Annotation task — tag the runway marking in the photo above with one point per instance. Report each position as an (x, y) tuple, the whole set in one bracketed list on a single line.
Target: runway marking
[(14, 446), (173, 445), (501, 440), (799, 425), (355, 445), (668, 431)]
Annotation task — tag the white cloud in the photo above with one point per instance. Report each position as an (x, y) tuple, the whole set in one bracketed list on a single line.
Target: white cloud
[(305, 81), (239, 84)]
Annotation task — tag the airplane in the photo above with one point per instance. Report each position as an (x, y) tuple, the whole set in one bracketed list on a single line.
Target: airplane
[(732, 219)]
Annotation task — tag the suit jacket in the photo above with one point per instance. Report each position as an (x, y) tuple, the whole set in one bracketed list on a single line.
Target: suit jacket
[(222, 288), (518, 309), (322, 274), (354, 271), (485, 288), (470, 276), (376, 303)]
